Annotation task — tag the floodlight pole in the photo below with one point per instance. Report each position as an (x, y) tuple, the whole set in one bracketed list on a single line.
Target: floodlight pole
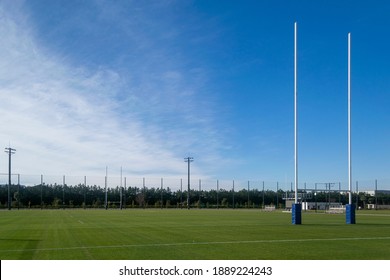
[(10, 151), (188, 160)]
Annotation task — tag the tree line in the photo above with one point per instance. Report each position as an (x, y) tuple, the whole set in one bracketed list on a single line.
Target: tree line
[(80, 196)]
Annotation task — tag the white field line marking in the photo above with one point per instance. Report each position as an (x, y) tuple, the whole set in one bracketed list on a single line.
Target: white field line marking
[(81, 222), (201, 243), (374, 215)]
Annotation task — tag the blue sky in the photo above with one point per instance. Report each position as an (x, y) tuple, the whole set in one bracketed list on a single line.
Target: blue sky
[(143, 84)]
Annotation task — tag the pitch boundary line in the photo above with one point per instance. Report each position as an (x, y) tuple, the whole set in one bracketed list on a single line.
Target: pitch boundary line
[(200, 243)]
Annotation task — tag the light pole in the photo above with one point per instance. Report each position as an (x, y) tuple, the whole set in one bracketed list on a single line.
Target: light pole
[(10, 151), (188, 160)]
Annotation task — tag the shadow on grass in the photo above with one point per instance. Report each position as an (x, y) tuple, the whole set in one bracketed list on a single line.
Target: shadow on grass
[(19, 248)]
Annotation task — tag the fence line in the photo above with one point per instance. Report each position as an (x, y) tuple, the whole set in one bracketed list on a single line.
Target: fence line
[(58, 191), (175, 183)]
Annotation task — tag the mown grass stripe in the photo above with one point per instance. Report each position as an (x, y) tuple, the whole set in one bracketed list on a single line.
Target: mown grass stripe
[(203, 243)]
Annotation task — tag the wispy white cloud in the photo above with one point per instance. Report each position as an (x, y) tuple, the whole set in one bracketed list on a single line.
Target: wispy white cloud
[(68, 118)]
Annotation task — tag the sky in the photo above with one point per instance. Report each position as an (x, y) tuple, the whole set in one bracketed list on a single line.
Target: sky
[(141, 85)]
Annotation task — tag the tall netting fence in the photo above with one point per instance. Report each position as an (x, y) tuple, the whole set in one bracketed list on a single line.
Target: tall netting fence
[(126, 192), (333, 196)]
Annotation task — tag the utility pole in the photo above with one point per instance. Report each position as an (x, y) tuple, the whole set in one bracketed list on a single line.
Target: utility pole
[(10, 151), (188, 160)]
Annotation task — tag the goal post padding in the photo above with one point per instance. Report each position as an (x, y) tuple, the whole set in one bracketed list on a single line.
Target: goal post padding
[(350, 214), (296, 213)]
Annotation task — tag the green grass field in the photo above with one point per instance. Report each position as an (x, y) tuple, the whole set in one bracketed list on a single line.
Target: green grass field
[(191, 234)]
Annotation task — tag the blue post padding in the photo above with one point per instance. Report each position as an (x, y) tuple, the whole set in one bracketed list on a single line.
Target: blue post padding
[(350, 214), (296, 214)]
